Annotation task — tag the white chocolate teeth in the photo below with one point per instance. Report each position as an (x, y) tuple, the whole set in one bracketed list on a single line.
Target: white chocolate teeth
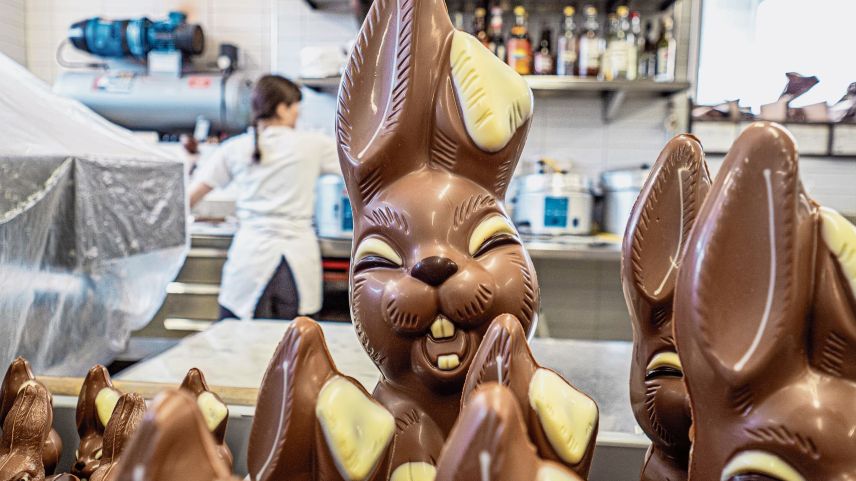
[(448, 362), (442, 328)]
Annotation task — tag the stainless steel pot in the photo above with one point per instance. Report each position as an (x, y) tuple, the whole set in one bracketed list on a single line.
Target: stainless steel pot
[(333, 216), (554, 203), (620, 188)]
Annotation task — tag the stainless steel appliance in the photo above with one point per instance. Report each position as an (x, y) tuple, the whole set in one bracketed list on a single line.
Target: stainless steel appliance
[(554, 203), (333, 216), (620, 188)]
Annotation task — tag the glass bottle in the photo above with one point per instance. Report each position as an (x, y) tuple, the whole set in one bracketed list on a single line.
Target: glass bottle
[(496, 37), (566, 56), (479, 25), (544, 63), (633, 46), (519, 46), (590, 45), (666, 48), (648, 53)]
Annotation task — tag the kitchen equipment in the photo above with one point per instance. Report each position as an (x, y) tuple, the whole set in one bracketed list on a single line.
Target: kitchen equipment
[(333, 216), (620, 188), (554, 203)]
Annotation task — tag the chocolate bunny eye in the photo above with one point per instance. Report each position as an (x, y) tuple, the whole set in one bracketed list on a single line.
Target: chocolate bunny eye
[(759, 465), (374, 252), (491, 233)]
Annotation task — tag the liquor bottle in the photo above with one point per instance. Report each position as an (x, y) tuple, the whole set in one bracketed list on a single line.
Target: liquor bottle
[(458, 20), (614, 63), (544, 62), (634, 47), (666, 48), (566, 57), (590, 45), (479, 25), (648, 53), (496, 37), (519, 46)]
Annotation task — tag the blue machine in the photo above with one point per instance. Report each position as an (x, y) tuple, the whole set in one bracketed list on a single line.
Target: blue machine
[(137, 37)]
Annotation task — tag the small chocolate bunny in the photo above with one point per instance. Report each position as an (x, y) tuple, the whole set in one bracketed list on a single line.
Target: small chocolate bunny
[(19, 374), (126, 418), (654, 245), (489, 443), (214, 410), (25, 430), (561, 421), (765, 323), (95, 405), (172, 443)]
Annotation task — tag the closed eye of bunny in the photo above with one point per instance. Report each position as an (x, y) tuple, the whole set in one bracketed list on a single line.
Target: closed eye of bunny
[(376, 253), (492, 232), (759, 465)]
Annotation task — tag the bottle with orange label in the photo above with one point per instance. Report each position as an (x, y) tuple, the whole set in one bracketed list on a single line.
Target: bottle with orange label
[(519, 45)]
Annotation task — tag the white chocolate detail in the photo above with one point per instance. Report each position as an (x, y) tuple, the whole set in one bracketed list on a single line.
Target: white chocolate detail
[(25, 384), (377, 247), (665, 359), (553, 473), (213, 410), (442, 328), (674, 261), (105, 402), (840, 237), (357, 429), (495, 100), (759, 462), (448, 362), (567, 416), (414, 472), (493, 225)]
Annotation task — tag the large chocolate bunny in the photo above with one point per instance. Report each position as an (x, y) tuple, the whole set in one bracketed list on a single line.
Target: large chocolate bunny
[(430, 127), (765, 323), (18, 375), (561, 421), (654, 245), (95, 405), (25, 430)]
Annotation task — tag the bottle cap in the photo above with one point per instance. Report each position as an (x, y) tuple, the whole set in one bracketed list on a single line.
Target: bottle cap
[(590, 10), (622, 11), (519, 10), (569, 11)]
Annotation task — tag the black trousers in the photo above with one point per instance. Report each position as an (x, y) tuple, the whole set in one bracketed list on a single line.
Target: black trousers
[(279, 300)]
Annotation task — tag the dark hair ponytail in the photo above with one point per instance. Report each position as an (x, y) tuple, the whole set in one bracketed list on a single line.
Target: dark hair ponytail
[(268, 92)]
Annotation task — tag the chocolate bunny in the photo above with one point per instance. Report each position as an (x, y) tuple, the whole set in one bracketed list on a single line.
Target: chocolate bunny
[(126, 418), (95, 405), (430, 127), (652, 254), (214, 410), (172, 443), (561, 421), (489, 443), (25, 430), (19, 374), (765, 323)]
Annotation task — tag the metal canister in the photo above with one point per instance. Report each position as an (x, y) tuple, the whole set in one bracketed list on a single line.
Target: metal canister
[(620, 188), (554, 203)]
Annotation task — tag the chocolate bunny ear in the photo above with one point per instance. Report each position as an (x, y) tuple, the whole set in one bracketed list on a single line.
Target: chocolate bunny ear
[(124, 422), (90, 418), (744, 285), (18, 373), (214, 410), (28, 422), (489, 442)]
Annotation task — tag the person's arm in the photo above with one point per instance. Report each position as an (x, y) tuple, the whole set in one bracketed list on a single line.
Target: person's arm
[(329, 153), (198, 191), (212, 173)]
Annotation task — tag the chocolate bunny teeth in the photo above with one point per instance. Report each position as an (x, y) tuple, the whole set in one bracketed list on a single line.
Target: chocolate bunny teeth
[(214, 410), (126, 418), (765, 323), (653, 250), (95, 406), (561, 421), (18, 375), (489, 443)]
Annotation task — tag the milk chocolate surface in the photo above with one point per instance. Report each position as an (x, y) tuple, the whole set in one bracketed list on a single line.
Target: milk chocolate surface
[(652, 254), (25, 429), (195, 383), (765, 323), (90, 428), (124, 422)]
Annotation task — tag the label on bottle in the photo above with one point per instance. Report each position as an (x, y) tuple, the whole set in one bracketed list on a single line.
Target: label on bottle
[(543, 64), (520, 56), (589, 56)]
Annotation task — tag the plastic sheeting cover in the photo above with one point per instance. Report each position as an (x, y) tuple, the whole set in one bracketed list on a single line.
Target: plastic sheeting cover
[(92, 229)]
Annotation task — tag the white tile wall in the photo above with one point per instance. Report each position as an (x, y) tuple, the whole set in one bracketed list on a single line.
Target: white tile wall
[(12, 37)]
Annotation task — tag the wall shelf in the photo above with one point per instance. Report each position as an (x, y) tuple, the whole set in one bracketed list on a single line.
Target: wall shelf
[(613, 92)]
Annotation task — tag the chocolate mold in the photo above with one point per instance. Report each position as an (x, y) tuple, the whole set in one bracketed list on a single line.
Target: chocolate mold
[(765, 323), (655, 241)]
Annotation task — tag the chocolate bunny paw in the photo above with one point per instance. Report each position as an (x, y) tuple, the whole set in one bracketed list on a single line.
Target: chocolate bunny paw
[(561, 421), (489, 443)]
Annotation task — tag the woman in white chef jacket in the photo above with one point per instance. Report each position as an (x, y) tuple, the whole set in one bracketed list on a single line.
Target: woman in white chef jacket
[(274, 266)]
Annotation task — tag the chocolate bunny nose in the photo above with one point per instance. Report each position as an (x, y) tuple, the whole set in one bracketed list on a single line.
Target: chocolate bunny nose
[(434, 270)]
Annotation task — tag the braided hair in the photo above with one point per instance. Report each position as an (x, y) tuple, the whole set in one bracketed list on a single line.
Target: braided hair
[(268, 93)]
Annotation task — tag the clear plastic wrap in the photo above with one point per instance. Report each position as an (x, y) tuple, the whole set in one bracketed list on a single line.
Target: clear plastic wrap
[(92, 228)]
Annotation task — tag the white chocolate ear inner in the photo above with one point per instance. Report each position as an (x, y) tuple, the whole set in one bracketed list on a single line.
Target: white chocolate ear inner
[(491, 226), (105, 402), (552, 473), (666, 359), (414, 472), (376, 247), (357, 429), (213, 411), (25, 384), (567, 416), (495, 100), (759, 462), (840, 237)]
